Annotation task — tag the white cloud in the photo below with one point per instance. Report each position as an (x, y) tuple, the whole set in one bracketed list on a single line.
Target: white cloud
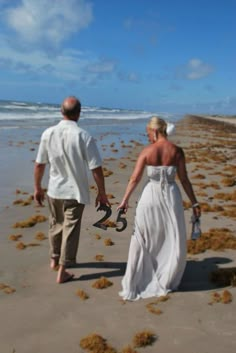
[(104, 66), (68, 65), (129, 77), (62, 66), (40, 22), (197, 69)]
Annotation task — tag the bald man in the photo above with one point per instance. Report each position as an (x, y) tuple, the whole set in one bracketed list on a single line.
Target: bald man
[(70, 152)]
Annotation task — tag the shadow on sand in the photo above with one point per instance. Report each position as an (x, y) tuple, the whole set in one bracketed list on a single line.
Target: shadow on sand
[(197, 274), (113, 269)]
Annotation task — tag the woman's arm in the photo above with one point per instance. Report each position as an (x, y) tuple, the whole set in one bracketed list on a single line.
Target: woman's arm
[(134, 180), (187, 186)]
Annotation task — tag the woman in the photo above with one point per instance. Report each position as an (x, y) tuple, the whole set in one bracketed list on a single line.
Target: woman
[(157, 254)]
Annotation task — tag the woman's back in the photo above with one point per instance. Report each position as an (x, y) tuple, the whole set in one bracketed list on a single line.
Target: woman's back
[(162, 153)]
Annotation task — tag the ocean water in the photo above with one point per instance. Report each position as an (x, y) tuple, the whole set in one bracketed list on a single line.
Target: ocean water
[(22, 123), (21, 119)]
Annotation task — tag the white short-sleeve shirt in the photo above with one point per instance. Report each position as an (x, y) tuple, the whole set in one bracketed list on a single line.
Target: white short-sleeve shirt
[(70, 152)]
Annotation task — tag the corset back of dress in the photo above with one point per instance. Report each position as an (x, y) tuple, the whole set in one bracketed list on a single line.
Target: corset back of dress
[(161, 174)]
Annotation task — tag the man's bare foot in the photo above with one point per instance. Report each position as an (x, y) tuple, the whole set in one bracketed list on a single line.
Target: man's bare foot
[(54, 262), (63, 275)]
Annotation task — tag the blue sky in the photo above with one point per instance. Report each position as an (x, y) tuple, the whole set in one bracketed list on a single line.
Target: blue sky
[(156, 55)]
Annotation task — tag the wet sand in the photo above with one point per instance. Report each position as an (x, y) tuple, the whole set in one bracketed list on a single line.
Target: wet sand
[(38, 315)]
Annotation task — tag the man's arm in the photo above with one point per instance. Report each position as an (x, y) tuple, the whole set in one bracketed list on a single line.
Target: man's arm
[(99, 180), (38, 176)]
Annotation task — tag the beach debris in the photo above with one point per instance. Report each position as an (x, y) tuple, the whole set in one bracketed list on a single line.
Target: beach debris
[(198, 176), (212, 185), (229, 181), (95, 343), (18, 191), (152, 307), (229, 211), (9, 290), (122, 165), (15, 237), (82, 294), (224, 276), (21, 246), (110, 224), (226, 196), (32, 244), (129, 349), (30, 222), (98, 236), (108, 242), (107, 172), (217, 239), (102, 283), (144, 338), (99, 257), (23, 202), (110, 196), (40, 236), (225, 297), (6, 288)]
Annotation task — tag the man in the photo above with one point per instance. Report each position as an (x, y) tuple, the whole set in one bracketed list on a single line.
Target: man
[(70, 152)]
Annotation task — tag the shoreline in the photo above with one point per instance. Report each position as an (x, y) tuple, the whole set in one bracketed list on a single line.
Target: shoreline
[(217, 118), (54, 318)]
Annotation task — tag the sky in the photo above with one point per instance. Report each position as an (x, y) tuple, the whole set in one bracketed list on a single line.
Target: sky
[(153, 55)]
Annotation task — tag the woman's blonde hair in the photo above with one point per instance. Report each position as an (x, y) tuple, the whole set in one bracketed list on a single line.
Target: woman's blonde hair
[(157, 123)]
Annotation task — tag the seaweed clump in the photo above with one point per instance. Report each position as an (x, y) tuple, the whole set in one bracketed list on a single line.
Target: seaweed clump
[(40, 236), (217, 239), (102, 283), (225, 297), (128, 349), (152, 307), (6, 288), (144, 338), (99, 257), (224, 276), (15, 237), (30, 222), (108, 242), (95, 343), (82, 294)]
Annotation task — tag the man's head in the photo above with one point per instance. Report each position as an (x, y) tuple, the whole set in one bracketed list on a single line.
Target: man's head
[(71, 108)]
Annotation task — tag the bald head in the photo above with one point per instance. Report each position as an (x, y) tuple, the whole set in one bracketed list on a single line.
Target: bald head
[(71, 108)]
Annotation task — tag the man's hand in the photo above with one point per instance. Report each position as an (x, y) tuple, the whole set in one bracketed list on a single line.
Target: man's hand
[(102, 199), (39, 196)]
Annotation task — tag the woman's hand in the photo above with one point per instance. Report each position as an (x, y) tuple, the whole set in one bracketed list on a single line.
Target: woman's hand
[(123, 205)]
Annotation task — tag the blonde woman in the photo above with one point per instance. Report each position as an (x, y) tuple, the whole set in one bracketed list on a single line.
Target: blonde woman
[(157, 253)]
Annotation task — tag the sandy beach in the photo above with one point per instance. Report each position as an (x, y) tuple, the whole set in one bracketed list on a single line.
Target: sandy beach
[(40, 316)]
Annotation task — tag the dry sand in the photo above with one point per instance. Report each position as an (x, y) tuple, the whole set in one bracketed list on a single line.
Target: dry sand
[(41, 316)]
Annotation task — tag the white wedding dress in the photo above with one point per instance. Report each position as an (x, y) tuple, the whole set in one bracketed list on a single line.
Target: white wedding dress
[(157, 253)]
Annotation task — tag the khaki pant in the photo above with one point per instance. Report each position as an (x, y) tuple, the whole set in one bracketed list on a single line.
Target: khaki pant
[(64, 229)]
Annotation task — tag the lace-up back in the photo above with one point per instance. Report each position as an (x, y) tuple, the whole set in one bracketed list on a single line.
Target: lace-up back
[(162, 174)]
